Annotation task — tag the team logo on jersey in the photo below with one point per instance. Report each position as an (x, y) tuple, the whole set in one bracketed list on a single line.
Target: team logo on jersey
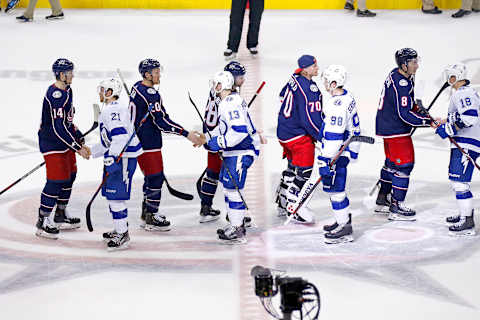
[(57, 94), (151, 91), (313, 88), (337, 102), (403, 82)]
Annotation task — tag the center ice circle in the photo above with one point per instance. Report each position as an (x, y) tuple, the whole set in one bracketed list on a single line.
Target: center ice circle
[(399, 235)]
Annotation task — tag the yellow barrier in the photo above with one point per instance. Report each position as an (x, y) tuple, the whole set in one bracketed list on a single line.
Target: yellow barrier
[(225, 4)]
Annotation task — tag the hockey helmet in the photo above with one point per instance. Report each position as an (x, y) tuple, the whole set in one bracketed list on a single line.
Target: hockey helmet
[(404, 55), (61, 65), (235, 68), (458, 70), (224, 78), (113, 84), (335, 73), (147, 65)]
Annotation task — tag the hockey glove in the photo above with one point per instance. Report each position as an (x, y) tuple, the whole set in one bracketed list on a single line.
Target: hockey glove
[(112, 166), (216, 143), (324, 167), (420, 109), (79, 136), (446, 130)]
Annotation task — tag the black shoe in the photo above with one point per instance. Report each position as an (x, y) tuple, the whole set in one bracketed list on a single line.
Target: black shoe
[(365, 13), (460, 13), (229, 54), (253, 51), (23, 19), (330, 227), (465, 227), (59, 16), (348, 6), (476, 10), (64, 221), (207, 214), (45, 227), (432, 11)]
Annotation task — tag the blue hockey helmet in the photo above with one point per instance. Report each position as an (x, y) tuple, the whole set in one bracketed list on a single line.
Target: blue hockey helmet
[(235, 68), (148, 65), (61, 65), (404, 55)]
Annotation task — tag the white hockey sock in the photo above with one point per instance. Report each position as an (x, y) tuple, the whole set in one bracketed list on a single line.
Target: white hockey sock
[(341, 215), (120, 225), (465, 206)]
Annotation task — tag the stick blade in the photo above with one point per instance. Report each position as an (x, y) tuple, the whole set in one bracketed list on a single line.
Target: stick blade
[(88, 217)]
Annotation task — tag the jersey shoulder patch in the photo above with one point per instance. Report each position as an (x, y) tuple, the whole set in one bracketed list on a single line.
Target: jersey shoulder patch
[(403, 82), (57, 94)]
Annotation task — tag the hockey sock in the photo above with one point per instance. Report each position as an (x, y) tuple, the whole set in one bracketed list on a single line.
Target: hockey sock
[(236, 208), (64, 195), (464, 197), (49, 195), (209, 187), (153, 192), (386, 180), (400, 186), (119, 212), (340, 206)]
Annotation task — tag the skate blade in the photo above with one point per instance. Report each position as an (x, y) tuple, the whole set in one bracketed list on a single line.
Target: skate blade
[(43, 234), (68, 226), (464, 233), (396, 217), (155, 228), (382, 209), (233, 241), (343, 239), (204, 219), (121, 247)]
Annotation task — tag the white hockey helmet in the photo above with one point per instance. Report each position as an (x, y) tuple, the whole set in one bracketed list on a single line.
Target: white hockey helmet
[(335, 73), (113, 84), (457, 70), (224, 78)]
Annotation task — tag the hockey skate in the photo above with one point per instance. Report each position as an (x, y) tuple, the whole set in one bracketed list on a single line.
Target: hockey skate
[(109, 235), (119, 241), (383, 203), (399, 212), (330, 227), (45, 228), (464, 227), (156, 222), (342, 233), (232, 235), (453, 219), (208, 214), (64, 221)]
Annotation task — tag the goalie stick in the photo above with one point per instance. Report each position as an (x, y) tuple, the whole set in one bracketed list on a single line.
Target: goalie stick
[(363, 139), (96, 113), (445, 85), (173, 192), (199, 181)]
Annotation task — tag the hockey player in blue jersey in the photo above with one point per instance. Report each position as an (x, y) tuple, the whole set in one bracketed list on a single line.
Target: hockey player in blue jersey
[(397, 115), (463, 125), (59, 140), (214, 164), (299, 123), (116, 128), (239, 142), (143, 94), (341, 122)]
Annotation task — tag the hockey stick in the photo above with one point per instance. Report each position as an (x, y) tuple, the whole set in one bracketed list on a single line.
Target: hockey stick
[(87, 211), (199, 181), (363, 139), (221, 157), (173, 192), (96, 113), (445, 85)]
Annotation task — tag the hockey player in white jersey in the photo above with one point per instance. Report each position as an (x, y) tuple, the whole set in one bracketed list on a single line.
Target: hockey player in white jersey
[(239, 141), (463, 125), (341, 121), (116, 127)]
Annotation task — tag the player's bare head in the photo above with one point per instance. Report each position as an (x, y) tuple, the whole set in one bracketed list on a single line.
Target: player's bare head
[(150, 69), (455, 73), (334, 77), (238, 71), (63, 70), (307, 66), (109, 89), (222, 82), (407, 60)]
